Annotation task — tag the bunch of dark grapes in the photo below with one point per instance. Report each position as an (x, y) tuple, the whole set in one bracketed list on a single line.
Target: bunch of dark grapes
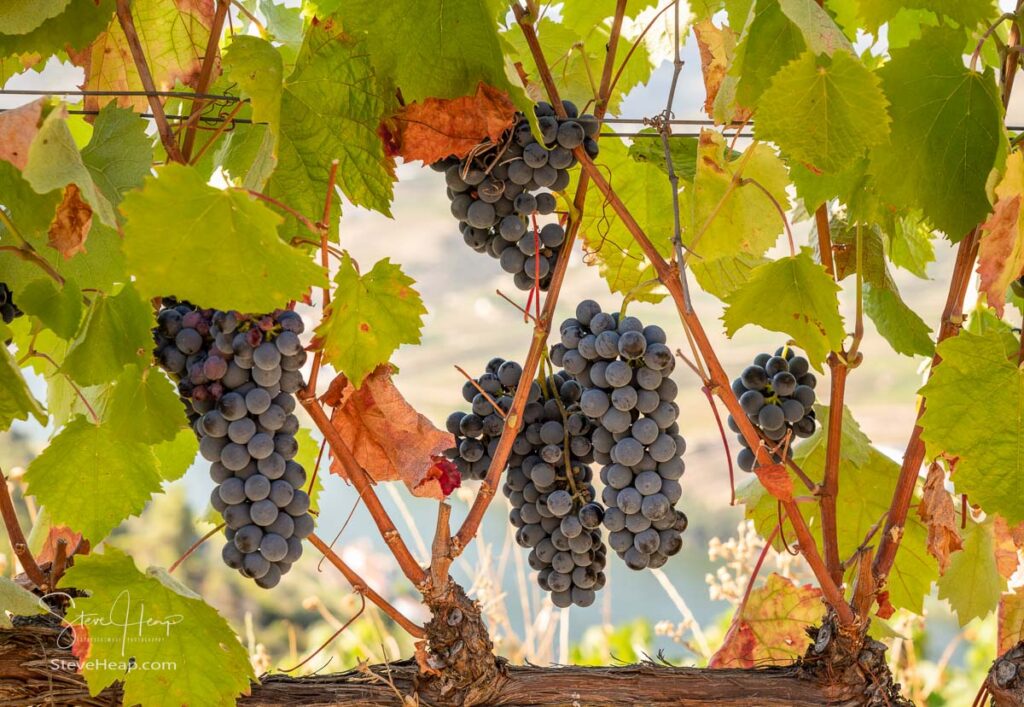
[(549, 476), (237, 376), (8, 310), (496, 191), (623, 368), (777, 393)]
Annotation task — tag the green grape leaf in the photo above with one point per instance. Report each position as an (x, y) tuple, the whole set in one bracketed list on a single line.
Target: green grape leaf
[(192, 655), (823, 111), (119, 154), (462, 36), (898, 324), (115, 334), (607, 242), (285, 26), (820, 31), (173, 36), (23, 16), (683, 151), (975, 399), (369, 317), (769, 41), (910, 245), (972, 584), (867, 478), (723, 276), (16, 400), (54, 162), (17, 601), (731, 216), (59, 308), (947, 133), (256, 65), (584, 15), (309, 451), (144, 405), (792, 295), (331, 107), (815, 188), (248, 155), (119, 473), (968, 13), (180, 231), (75, 27), (174, 457)]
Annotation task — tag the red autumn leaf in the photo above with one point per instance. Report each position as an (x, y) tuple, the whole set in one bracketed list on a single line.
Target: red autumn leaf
[(60, 532), (1005, 547), (939, 515), (437, 128), (777, 481), (71, 223), (1001, 250), (772, 627), (387, 436), (80, 646), (18, 127)]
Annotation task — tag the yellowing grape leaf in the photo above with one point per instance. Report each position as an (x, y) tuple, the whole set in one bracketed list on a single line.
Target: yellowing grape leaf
[(173, 37), (21, 16), (972, 584), (1005, 547), (732, 216), (369, 317), (18, 127), (792, 295), (59, 308), (75, 27), (54, 162), (937, 511), (969, 13), (387, 436), (1001, 250), (716, 49), (607, 243), (439, 127), (823, 111), (1010, 616), (256, 65), (772, 628), (947, 131), (190, 654), (974, 399), (180, 231), (17, 601), (115, 334), (119, 473)]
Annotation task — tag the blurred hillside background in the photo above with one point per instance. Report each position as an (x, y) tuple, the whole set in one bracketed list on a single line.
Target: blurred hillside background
[(681, 615)]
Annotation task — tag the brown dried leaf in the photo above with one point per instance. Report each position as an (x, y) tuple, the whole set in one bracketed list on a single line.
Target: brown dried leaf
[(1001, 251), (772, 628), (714, 58), (1010, 620), (18, 127), (939, 514), (385, 433), (71, 223), (437, 128), (60, 532), (1005, 547)]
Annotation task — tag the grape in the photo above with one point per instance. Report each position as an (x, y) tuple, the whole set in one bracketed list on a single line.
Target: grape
[(273, 547), (237, 516), (270, 578), (247, 539), (233, 456), (255, 565), (241, 431), (211, 448), (257, 487), (232, 556)]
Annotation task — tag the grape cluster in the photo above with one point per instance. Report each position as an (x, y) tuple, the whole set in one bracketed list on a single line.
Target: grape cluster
[(777, 393), (623, 368), (237, 376), (8, 310), (549, 476), (496, 191)]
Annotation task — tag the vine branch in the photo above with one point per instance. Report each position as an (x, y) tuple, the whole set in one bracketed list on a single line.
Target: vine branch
[(14, 533), (205, 76)]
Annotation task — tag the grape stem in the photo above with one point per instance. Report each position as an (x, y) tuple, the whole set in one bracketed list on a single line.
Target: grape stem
[(205, 76), (668, 274), (501, 413), (14, 533), (195, 546), (538, 345), (163, 128), (362, 588)]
